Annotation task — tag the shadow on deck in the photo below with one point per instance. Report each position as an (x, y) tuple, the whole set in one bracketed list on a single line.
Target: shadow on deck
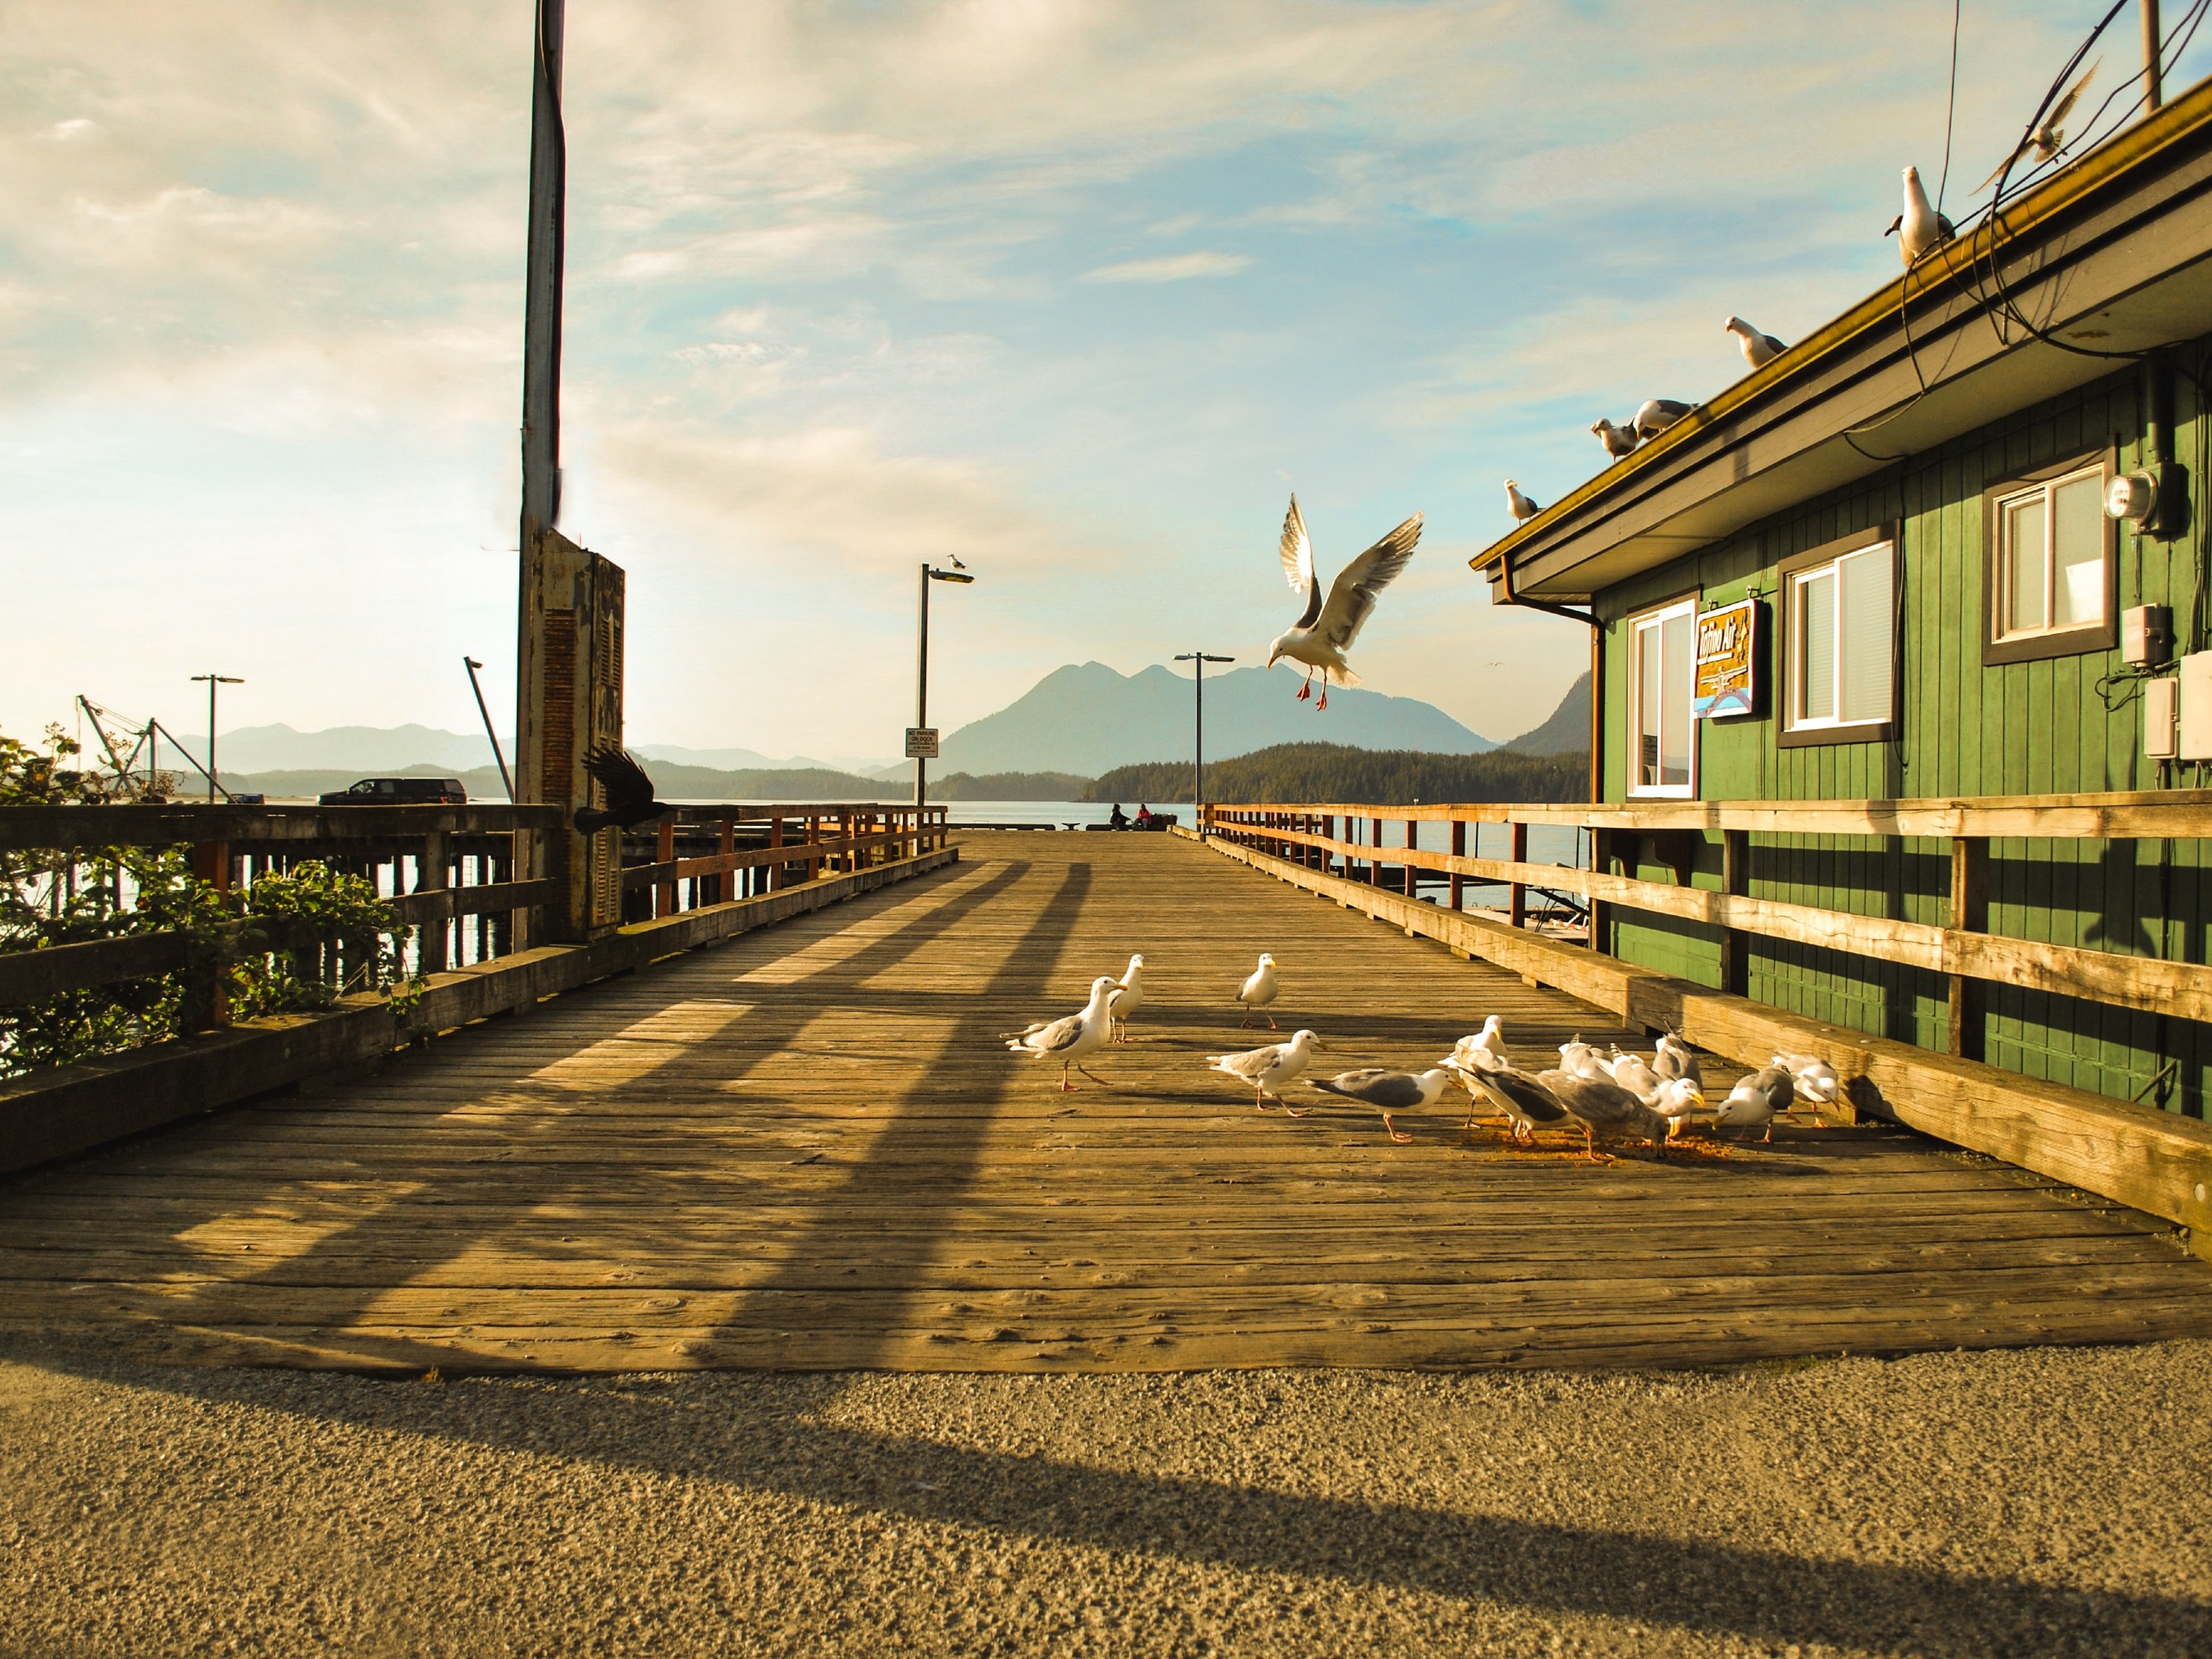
[(807, 1150)]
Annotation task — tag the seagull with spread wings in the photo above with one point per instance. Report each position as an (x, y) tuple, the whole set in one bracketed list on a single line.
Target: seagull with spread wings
[(1330, 624)]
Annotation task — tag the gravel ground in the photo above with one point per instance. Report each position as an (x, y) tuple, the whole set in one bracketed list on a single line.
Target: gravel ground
[(2046, 1502)]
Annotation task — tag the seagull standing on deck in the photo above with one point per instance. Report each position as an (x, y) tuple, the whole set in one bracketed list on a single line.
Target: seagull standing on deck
[(1388, 1091), (1919, 229), (1267, 1069), (1068, 1040), (1259, 990), (1127, 998), (1330, 624)]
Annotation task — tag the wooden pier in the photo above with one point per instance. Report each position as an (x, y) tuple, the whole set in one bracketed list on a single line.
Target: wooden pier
[(807, 1147)]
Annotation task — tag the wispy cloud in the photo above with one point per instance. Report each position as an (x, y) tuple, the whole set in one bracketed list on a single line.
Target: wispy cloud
[(1171, 268)]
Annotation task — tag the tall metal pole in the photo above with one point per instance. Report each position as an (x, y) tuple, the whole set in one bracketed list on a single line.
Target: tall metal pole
[(1198, 660), (472, 665), (922, 687), (2154, 90), (213, 680)]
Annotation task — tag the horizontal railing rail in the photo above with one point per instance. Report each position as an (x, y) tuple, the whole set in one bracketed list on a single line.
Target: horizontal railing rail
[(1962, 949), (440, 869)]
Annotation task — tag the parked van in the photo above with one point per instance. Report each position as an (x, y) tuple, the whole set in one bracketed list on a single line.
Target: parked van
[(399, 792)]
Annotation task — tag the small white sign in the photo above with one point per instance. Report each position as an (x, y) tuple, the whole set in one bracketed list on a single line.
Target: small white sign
[(921, 742)]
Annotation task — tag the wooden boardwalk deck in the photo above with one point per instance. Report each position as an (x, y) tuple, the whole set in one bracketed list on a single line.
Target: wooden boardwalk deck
[(808, 1149)]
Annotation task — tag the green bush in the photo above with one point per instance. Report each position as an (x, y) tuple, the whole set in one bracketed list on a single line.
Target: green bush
[(291, 942)]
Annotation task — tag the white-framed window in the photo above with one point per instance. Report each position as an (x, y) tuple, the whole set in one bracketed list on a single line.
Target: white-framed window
[(1841, 677), (1663, 737), (2053, 547)]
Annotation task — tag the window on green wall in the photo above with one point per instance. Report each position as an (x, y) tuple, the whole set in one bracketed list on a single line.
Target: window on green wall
[(1838, 659), (2049, 582), (1662, 738)]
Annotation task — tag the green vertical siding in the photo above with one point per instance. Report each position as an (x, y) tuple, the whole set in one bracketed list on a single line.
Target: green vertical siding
[(2019, 729)]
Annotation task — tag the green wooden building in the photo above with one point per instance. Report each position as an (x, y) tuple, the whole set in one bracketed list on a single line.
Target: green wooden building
[(1913, 509)]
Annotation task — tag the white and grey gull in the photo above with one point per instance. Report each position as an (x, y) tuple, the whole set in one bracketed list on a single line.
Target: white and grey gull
[(1325, 631), (1388, 1091), (1069, 1040), (1267, 1069)]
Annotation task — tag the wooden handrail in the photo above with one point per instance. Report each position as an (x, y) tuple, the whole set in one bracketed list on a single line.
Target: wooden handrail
[(1964, 950), (2176, 814)]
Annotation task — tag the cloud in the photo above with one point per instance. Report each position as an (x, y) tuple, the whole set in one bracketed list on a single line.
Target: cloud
[(1173, 268)]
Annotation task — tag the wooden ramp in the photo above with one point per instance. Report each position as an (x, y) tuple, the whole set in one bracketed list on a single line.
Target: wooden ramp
[(807, 1148)]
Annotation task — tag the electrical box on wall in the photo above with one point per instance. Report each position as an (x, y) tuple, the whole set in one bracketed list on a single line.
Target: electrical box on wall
[(2161, 712), (2194, 736), (2147, 635)]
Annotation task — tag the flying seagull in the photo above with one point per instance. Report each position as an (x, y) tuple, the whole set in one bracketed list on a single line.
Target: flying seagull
[(1758, 349), (2048, 138), (1919, 229), (1619, 440), (1327, 631), (629, 793), (1388, 1091), (1520, 506), (1658, 414)]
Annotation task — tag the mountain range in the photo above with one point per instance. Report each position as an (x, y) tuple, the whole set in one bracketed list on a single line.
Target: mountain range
[(1087, 718), (1081, 720)]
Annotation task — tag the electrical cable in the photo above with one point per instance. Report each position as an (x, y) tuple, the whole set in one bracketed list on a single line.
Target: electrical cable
[(1950, 109)]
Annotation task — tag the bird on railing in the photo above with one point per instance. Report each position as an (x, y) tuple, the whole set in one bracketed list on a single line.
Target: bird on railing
[(1327, 631), (629, 793), (1069, 1040), (1388, 1091), (1258, 991), (1267, 1069), (1128, 997)]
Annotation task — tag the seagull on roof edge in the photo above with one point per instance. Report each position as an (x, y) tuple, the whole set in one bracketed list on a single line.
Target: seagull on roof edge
[(1518, 504), (1327, 631), (1920, 230), (1759, 349)]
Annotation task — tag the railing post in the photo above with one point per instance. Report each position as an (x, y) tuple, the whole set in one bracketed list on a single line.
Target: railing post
[(1458, 888), (775, 845), (211, 862), (727, 883), (1516, 893), (1412, 882), (430, 877), (1969, 914), (664, 853), (1601, 846), (814, 846), (1735, 943)]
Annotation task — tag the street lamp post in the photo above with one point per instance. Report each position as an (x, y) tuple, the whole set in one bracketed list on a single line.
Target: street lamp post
[(213, 680), (1198, 660), (930, 574)]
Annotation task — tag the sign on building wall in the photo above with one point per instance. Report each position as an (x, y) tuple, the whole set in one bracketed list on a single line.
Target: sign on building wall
[(1727, 661)]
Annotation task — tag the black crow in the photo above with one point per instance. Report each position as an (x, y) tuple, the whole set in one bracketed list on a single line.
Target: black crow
[(629, 793)]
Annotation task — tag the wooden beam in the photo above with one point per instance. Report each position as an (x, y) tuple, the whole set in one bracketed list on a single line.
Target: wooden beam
[(57, 828), (33, 976)]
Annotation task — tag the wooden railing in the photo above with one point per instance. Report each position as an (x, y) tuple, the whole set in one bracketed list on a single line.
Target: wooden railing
[(709, 855), (1676, 833), (456, 873)]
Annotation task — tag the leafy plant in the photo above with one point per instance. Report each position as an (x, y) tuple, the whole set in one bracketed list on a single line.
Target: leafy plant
[(289, 942)]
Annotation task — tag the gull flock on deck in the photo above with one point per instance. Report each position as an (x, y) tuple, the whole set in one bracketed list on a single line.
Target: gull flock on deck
[(1608, 1100)]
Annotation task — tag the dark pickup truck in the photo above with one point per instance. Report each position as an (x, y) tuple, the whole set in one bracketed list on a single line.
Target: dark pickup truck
[(399, 792)]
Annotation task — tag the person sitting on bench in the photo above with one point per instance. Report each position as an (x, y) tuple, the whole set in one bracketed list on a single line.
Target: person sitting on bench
[(1144, 816), (1120, 819)]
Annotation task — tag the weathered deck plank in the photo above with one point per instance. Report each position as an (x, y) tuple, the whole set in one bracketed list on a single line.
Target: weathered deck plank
[(808, 1148)]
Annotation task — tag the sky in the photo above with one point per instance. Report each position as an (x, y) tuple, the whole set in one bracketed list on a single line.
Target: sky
[(1079, 290)]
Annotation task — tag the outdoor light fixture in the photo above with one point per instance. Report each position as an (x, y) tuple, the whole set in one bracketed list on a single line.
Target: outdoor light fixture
[(921, 742)]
